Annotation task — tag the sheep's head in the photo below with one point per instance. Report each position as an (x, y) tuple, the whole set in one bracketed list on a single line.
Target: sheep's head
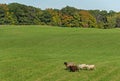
[(65, 63)]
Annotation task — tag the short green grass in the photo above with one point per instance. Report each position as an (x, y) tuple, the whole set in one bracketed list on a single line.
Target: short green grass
[(37, 53)]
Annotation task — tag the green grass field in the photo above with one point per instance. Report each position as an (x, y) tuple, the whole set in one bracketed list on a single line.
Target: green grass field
[(37, 53)]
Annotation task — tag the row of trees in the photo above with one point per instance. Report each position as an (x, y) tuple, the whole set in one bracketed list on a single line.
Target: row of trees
[(19, 14)]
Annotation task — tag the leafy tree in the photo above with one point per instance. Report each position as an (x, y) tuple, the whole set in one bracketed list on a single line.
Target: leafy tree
[(101, 18), (5, 15), (71, 17), (87, 20), (113, 20), (55, 16), (24, 14), (66, 21), (69, 10), (118, 20), (46, 17)]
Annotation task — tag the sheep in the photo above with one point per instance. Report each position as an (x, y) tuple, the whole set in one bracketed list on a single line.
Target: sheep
[(68, 64), (82, 66), (90, 67), (73, 68)]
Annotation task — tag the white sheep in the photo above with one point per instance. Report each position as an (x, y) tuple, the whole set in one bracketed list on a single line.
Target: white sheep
[(82, 66), (90, 67)]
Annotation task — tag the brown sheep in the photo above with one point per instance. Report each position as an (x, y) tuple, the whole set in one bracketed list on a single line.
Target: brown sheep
[(73, 68)]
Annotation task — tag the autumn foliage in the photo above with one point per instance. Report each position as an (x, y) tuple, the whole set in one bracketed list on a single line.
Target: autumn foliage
[(20, 14)]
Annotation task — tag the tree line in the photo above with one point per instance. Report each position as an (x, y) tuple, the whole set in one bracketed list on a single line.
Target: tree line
[(20, 14)]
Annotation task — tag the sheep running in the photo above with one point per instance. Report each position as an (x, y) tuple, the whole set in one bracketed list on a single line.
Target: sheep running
[(90, 67), (72, 67), (86, 67), (82, 66)]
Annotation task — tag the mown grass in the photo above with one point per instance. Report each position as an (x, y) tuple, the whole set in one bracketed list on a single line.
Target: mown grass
[(37, 53)]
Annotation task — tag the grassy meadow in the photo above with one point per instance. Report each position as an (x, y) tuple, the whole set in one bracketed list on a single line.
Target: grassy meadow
[(37, 53)]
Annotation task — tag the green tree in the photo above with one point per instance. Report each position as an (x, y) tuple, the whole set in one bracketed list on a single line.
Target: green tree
[(25, 14), (87, 20), (46, 18), (69, 10), (55, 16), (5, 15)]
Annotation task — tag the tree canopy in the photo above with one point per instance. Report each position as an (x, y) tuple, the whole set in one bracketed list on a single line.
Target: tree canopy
[(20, 14)]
